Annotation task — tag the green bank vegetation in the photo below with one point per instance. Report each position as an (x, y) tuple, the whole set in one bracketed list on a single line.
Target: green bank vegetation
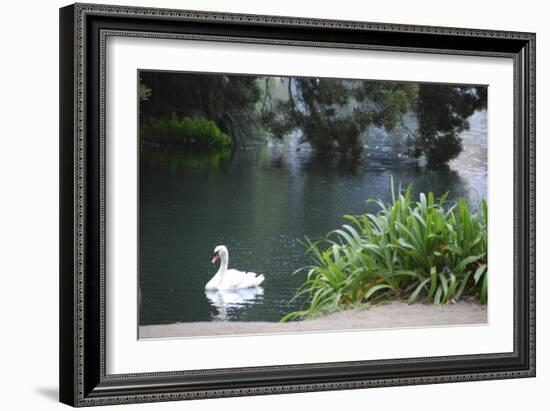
[(186, 131), (418, 250)]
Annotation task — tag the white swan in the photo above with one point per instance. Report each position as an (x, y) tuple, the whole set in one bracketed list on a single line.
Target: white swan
[(230, 279)]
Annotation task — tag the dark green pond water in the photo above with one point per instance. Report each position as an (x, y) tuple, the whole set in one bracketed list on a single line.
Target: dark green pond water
[(259, 202)]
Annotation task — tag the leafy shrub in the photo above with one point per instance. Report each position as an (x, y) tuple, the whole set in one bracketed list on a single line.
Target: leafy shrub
[(185, 131), (409, 249)]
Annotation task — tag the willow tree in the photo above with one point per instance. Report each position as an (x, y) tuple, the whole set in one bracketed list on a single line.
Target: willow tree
[(332, 114), (443, 112)]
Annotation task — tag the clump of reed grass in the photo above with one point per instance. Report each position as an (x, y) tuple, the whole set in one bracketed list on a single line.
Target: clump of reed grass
[(419, 250)]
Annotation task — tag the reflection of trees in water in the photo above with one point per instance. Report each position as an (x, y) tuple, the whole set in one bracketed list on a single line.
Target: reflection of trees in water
[(327, 165), (375, 176), (438, 181), (368, 171), (178, 160)]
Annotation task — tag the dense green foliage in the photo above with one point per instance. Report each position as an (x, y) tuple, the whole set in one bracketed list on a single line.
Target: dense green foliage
[(442, 112), (185, 131), (333, 115), (227, 100), (417, 250)]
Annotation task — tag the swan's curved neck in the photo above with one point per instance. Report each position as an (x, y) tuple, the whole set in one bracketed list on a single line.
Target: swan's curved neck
[(224, 261)]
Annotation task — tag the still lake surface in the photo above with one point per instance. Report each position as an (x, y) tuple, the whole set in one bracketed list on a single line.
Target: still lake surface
[(259, 202)]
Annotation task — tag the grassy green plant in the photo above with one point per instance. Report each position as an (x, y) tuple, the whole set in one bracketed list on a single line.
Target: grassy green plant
[(185, 131), (417, 250)]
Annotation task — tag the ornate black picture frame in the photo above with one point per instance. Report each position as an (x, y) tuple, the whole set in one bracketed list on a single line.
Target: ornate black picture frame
[(83, 30)]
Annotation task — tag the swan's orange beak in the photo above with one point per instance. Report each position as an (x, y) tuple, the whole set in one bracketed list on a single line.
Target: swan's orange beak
[(215, 258)]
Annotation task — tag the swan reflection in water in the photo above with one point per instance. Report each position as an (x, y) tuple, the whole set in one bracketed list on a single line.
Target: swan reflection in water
[(231, 289), (228, 300)]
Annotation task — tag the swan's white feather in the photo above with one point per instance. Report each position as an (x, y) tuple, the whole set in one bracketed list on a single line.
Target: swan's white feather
[(231, 279)]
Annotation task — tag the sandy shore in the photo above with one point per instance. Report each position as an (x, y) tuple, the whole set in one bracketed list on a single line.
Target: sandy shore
[(392, 315)]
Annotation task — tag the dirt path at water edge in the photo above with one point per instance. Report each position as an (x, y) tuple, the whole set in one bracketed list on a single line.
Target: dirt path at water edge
[(395, 314)]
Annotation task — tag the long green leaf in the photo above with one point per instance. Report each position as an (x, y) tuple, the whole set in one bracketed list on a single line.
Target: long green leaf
[(415, 293)]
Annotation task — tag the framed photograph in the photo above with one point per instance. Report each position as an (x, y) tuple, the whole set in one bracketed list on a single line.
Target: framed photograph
[(261, 204)]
